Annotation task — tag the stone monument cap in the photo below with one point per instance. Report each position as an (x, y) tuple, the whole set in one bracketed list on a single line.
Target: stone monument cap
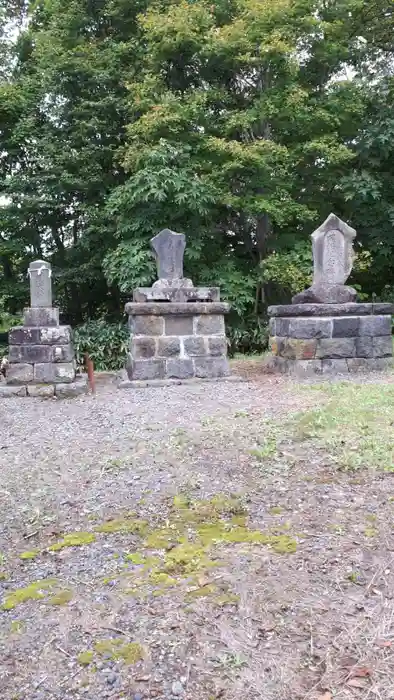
[(169, 248)]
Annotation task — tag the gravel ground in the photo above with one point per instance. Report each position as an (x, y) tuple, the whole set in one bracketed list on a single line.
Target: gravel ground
[(70, 466)]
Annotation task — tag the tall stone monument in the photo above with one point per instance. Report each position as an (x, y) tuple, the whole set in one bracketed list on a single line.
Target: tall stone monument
[(177, 331), (41, 356), (324, 330)]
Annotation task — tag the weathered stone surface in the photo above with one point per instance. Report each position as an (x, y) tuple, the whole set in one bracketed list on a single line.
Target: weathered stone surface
[(364, 347), (176, 294), (76, 388), (358, 364), (24, 336), (40, 317), (336, 348), (211, 367), (62, 353), (179, 368), (29, 353), (375, 325), (60, 335), (299, 349), (7, 391), (287, 310), (383, 309), (381, 364), (345, 327), (209, 325), (49, 373), (147, 325), (334, 366), (383, 346), (304, 368), (176, 309), (40, 274), (143, 347), (310, 328), (326, 294), (276, 345), (147, 369), (169, 248), (174, 325), (194, 345), (282, 327), (19, 374), (275, 364), (217, 345), (168, 346), (44, 391)]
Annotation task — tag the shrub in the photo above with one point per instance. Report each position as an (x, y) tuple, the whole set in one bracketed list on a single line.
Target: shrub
[(106, 343)]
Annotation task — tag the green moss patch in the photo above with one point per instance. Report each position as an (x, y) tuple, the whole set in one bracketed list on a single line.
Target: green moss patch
[(74, 539), (85, 658), (30, 555), (117, 649), (126, 525), (34, 591), (61, 598)]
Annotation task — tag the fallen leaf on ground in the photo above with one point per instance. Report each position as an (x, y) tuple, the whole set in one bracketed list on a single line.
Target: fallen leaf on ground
[(357, 683), (326, 696), (382, 644), (361, 672)]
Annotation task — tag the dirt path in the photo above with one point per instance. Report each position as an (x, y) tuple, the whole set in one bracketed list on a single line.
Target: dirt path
[(183, 542)]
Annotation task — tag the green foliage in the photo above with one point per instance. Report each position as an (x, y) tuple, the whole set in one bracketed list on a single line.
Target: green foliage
[(129, 266), (291, 270), (106, 344)]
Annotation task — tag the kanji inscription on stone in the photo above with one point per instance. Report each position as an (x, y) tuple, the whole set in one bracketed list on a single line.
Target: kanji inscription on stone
[(40, 274)]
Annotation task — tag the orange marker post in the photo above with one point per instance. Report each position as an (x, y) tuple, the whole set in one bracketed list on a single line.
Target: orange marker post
[(90, 371)]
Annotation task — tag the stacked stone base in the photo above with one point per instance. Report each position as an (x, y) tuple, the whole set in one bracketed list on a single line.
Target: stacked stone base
[(309, 339), (176, 341), (41, 358)]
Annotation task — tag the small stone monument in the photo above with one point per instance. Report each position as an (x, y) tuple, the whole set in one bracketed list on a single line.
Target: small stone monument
[(177, 330), (41, 356), (324, 330)]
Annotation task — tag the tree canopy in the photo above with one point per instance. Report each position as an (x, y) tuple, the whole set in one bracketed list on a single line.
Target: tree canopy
[(241, 123)]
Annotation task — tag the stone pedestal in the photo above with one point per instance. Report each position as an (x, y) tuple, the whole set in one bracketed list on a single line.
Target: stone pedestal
[(176, 341), (307, 339), (41, 358)]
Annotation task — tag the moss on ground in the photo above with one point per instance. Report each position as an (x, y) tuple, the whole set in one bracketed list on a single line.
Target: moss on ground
[(32, 554), (117, 649), (61, 598), (125, 525), (85, 658), (73, 539), (37, 590)]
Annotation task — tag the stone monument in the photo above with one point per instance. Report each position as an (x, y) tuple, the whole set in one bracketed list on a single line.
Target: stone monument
[(41, 356), (325, 330), (177, 330)]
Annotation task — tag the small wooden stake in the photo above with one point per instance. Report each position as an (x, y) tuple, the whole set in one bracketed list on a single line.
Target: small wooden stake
[(90, 371)]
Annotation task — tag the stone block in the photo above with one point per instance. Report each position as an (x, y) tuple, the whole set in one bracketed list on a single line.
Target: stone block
[(143, 347), (76, 388), (274, 363), (178, 325), (59, 335), (282, 327), (310, 327), (179, 369), (345, 326), (209, 325), (351, 309), (364, 347), (176, 308), (381, 364), (62, 353), (24, 336), (7, 391), (358, 364), (29, 353), (304, 368), (335, 366), (375, 325), (44, 391), (298, 349), (276, 345), (383, 346), (336, 348), (194, 346), (146, 325), (147, 369), (20, 374), (272, 327), (217, 345), (54, 373), (211, 367), (168, 346), (41, 316)]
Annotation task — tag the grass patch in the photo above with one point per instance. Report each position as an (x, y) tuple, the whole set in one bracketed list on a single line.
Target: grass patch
[(355, 428)]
